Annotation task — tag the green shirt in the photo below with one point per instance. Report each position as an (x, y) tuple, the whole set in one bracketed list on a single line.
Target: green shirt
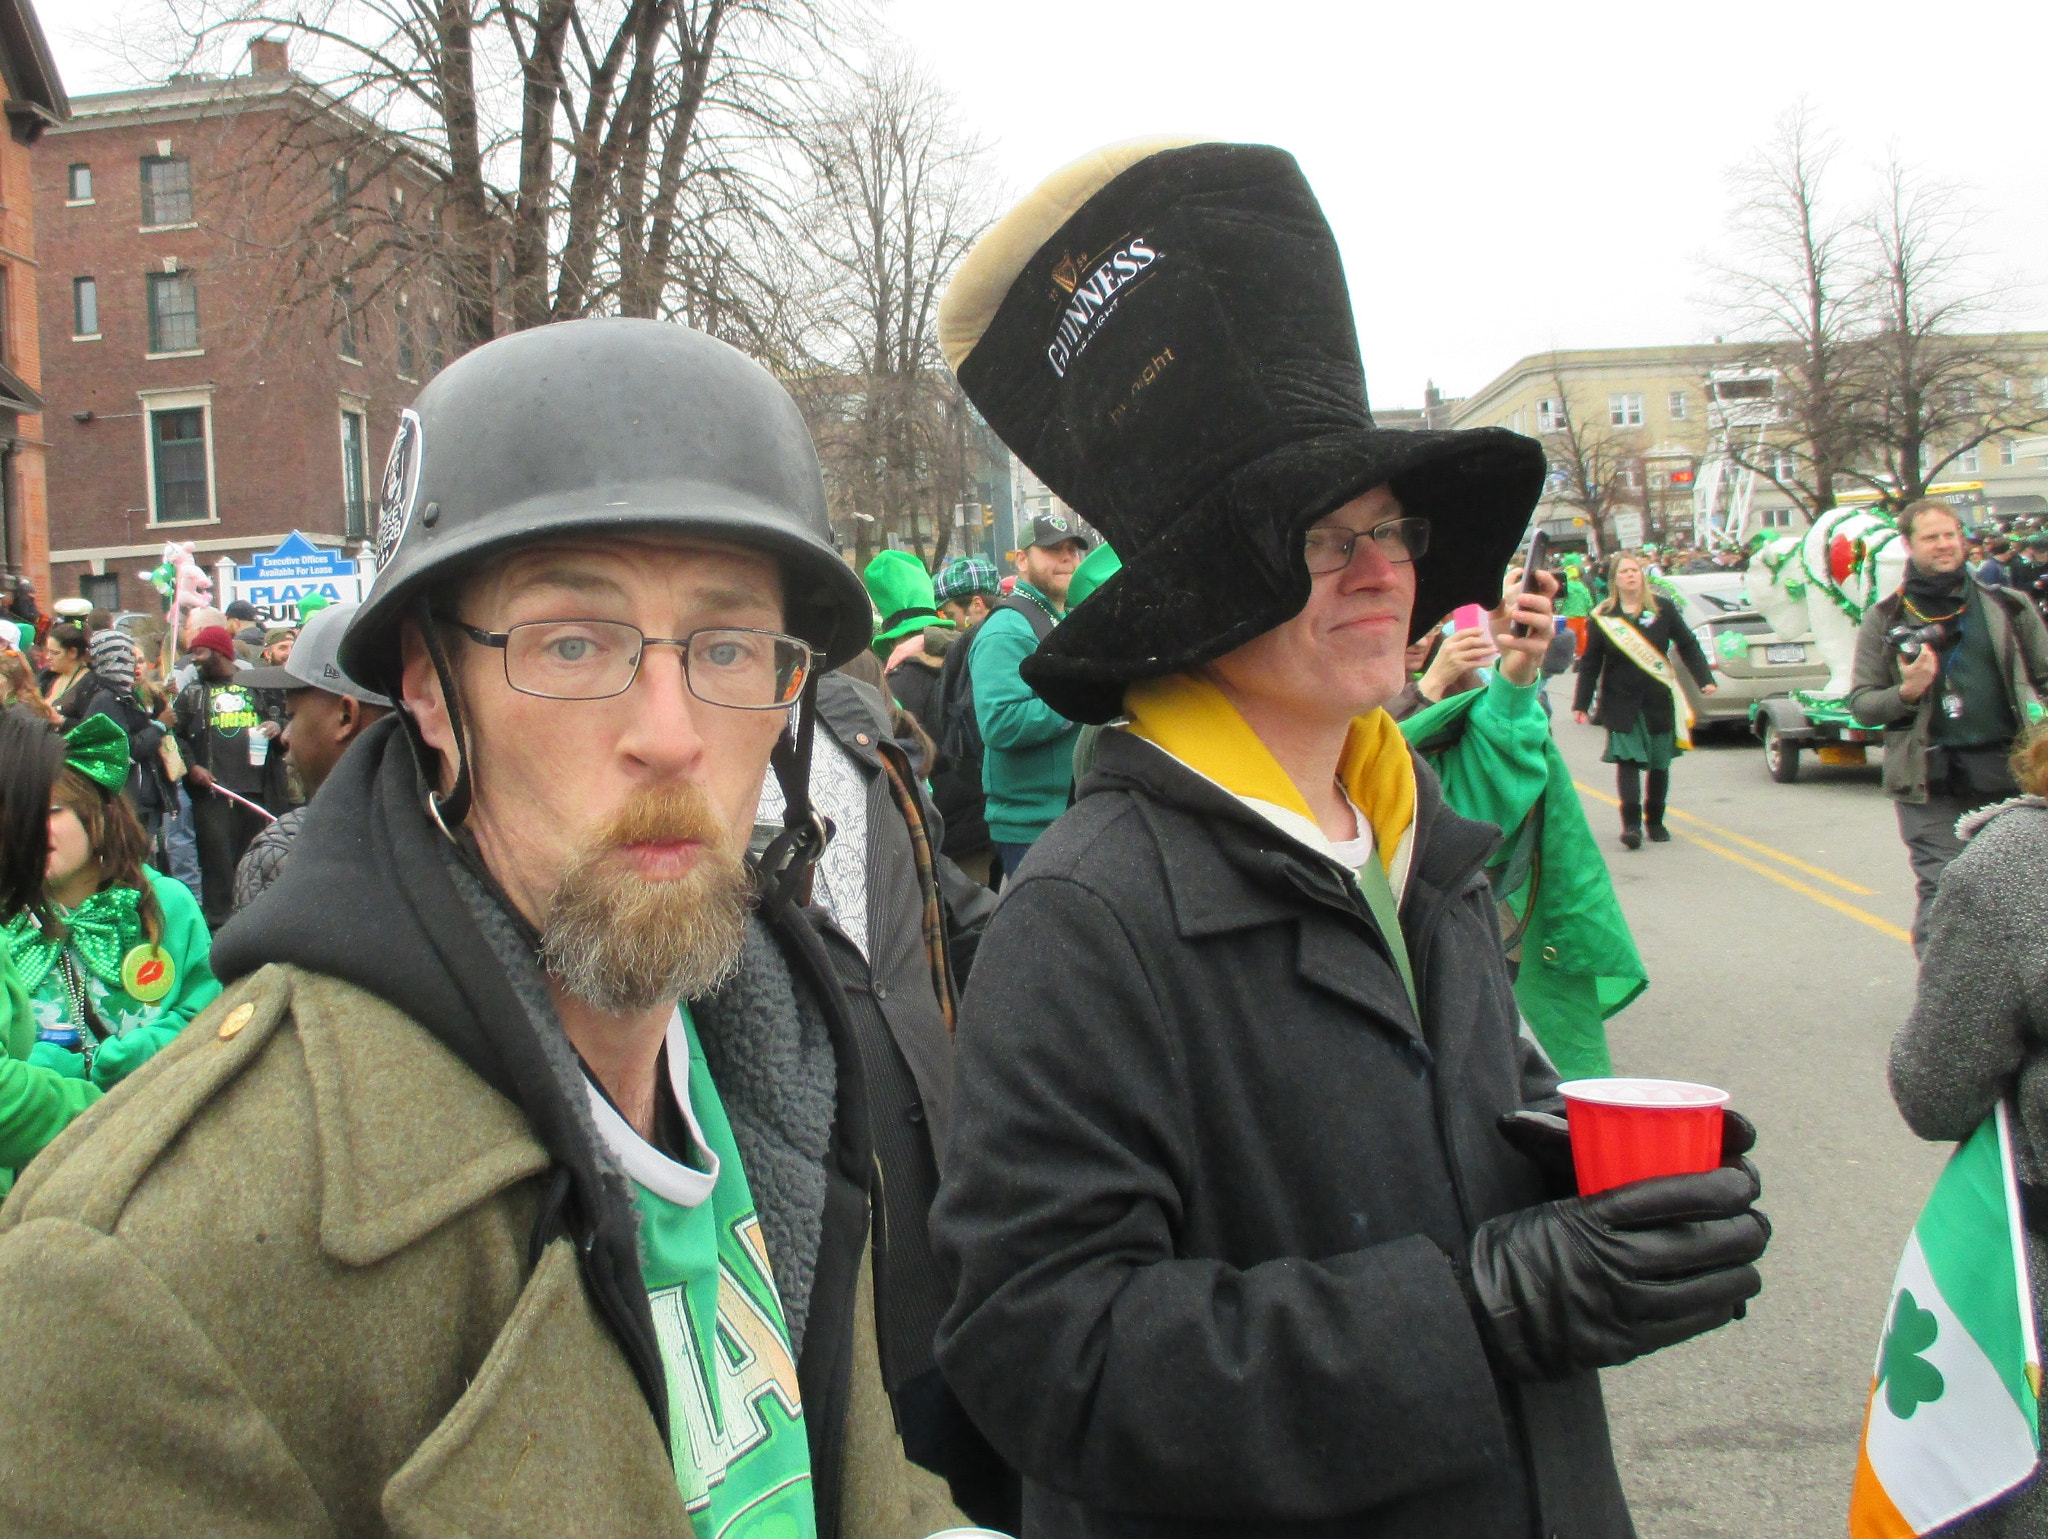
[(1028, 761), (736, 1421)]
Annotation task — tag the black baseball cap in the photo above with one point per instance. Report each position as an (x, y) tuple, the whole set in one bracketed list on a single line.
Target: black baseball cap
[(1050, 529)]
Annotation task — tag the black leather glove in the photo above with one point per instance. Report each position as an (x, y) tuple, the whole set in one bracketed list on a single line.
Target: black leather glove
[(1539, 1131), (1591, 1282)]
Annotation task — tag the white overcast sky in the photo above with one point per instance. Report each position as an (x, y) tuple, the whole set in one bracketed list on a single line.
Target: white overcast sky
[(1503, 178)]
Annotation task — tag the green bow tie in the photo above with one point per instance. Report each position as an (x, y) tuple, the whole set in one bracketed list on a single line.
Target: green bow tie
[(98, 749), (100, 931)]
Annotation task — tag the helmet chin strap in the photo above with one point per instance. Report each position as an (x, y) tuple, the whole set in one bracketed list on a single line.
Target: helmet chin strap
[(785, 866), (449, 811)]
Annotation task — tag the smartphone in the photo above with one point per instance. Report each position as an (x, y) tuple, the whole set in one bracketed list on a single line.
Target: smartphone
[(1539, 547)]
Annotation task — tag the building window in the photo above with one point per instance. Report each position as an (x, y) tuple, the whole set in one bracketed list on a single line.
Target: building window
[(103, 592), (1774, 518), (166, 190), (1971, 460), (337, 192), (177, 442), (1625, 410), (85, 307), (2008, 452), (78, 183), (1784, 466), (345, 340), (1550, 416), (353, 475), (173, 313), (436, 353), (1674, 406), (401, 315)]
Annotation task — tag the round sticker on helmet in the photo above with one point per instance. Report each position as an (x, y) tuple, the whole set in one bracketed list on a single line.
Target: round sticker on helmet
[(401, 485), (148, 973)]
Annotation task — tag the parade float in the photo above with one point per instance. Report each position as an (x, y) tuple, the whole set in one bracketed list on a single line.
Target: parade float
[(1815, 586)]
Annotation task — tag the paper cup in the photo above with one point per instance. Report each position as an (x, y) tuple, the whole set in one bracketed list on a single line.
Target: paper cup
[(1631, 1129)]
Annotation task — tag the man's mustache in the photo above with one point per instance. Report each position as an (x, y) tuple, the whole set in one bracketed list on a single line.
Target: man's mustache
[(671, 815)]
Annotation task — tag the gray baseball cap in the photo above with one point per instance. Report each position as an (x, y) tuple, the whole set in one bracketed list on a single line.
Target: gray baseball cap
[(315, 661)]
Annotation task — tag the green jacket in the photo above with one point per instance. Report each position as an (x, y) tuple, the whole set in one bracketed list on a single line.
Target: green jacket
[(1578, 599), (1027, 768), (142, 998), (281, 1283), (35, 1103), (1578, 963)]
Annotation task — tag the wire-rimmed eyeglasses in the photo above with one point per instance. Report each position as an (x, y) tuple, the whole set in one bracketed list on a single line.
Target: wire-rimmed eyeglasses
[(1398, 540), (748, 670)]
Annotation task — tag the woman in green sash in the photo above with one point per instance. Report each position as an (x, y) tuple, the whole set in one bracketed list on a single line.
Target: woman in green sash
[(1626, 684)]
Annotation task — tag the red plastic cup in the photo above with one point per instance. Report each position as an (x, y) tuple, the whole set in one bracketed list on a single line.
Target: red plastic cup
[(1631, 1129)]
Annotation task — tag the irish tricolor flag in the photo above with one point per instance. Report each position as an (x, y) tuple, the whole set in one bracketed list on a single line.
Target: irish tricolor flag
[(1954, 1417)]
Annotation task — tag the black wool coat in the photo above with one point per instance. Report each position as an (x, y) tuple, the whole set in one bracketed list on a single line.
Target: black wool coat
[(1211, 1188), (1624, 691)]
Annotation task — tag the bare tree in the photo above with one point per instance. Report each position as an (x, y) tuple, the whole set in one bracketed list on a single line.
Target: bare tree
[(1796, 292), (1937, 390), (898, 193), (583, 155), (1593, 467)]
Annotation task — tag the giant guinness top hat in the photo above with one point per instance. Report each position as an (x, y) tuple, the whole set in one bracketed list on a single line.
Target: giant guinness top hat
[(1161, 331)]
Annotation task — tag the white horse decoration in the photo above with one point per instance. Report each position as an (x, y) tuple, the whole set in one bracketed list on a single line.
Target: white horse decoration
[(1820, 583)]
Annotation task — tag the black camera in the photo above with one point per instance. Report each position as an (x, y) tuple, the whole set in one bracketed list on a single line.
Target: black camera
[(1912, 640)]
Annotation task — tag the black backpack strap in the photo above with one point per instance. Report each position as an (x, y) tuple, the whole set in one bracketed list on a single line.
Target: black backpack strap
[(1041, 622)]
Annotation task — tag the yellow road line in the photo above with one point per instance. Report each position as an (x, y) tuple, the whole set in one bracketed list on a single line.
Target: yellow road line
[(1825, 899), (1779, 855), (1748, 844)]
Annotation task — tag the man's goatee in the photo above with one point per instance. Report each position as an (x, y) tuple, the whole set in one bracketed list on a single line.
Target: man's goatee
[(623, 944)]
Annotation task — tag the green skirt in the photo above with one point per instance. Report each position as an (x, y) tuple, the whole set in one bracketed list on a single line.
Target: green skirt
[(1639, 745)]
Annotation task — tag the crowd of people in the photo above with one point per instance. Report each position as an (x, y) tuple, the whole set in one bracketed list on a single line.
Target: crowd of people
[(639, 1028)]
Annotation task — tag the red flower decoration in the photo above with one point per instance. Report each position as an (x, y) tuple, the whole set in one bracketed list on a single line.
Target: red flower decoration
[(1841, 560)]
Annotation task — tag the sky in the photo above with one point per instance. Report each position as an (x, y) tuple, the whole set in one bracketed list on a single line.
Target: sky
[(1503, 179)]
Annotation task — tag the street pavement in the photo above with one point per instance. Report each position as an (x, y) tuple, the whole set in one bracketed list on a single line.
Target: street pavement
[(1774, 930)]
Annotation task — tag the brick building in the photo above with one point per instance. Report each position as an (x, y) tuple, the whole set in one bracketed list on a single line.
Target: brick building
[(34, 103), (226, 341)]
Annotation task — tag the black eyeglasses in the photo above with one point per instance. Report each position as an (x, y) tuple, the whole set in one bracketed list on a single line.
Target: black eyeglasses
[(747, 670), (1398, 539)]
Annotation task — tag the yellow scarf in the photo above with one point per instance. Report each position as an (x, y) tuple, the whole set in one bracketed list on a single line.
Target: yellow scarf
[(1189, 718)]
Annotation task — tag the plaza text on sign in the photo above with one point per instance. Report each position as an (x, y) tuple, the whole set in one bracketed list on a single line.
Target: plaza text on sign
[(275, 581)]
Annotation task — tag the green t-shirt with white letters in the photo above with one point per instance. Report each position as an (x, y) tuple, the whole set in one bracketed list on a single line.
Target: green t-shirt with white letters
[(741, 1453)]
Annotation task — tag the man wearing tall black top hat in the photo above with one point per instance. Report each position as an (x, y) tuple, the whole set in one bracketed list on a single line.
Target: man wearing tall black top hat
[(1260, 1223)]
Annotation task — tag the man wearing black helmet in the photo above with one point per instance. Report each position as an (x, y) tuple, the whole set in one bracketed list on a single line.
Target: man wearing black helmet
[(1263, 1222), (522, 1183)]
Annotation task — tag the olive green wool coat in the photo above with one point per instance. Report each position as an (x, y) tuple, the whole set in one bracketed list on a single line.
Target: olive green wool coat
[(277, 1284)]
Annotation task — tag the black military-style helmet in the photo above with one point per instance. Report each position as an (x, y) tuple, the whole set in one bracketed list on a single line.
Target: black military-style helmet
[(596, 427)]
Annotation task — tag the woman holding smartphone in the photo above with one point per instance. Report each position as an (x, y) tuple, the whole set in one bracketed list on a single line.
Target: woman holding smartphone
[(1626, 684)]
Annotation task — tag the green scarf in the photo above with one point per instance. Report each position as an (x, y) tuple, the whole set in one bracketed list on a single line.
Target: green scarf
[(100, 931)]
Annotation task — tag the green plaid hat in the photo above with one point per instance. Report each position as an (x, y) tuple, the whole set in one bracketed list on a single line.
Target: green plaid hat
[(965, 576)]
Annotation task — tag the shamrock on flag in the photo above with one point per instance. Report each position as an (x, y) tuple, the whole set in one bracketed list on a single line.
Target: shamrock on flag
[(1954, 1417)]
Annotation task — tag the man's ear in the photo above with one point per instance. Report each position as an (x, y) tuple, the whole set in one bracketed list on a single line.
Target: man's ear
[(421, 695)]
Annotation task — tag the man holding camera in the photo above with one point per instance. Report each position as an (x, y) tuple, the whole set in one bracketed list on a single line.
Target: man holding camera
[(1952, 668)]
